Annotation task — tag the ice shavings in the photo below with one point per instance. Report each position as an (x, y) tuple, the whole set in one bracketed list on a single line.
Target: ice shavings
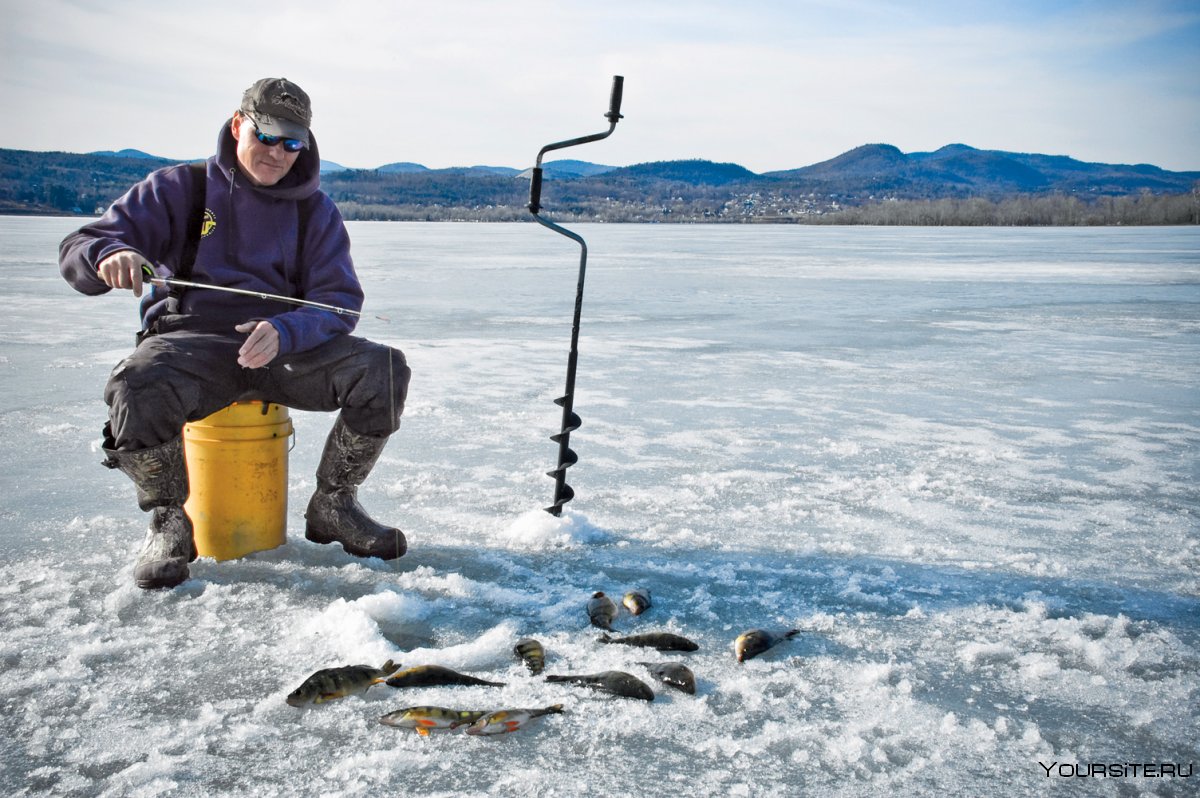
[(486, 649), (349, 630), (456, 586), (538, 529)]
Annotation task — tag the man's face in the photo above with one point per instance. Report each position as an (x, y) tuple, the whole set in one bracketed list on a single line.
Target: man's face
[(263, 165)]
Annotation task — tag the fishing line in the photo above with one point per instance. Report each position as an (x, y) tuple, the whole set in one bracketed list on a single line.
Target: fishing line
[(169, 282)]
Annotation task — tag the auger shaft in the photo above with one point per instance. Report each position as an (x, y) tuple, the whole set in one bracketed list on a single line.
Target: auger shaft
[(570, 419)]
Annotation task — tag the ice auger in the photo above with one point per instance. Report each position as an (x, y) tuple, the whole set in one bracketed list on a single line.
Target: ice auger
[(570, 420)]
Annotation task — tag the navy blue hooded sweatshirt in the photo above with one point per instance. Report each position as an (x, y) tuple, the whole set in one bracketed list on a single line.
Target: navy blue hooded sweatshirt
[(251, 241)]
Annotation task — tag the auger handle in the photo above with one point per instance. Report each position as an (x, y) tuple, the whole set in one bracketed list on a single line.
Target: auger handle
[(535, 191), (614, 114), (614, 100)]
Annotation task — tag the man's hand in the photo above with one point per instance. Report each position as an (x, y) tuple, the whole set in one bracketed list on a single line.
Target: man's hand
[(122, 270), (261, 347)]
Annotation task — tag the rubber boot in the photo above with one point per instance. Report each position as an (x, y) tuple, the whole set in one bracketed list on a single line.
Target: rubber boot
[(160, 476), (334, 514)]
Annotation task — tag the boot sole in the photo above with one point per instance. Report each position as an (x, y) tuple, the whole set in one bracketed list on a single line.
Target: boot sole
[(161, 581), (317, 536)]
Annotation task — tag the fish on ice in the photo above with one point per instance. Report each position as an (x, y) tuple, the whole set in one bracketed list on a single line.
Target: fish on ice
[(532, 654), (637, 601), (673, 674), (330, 683), (503, 721), (424, 720), (663, 641), (601, 610), (433, 676), (617, 683), (754, 642)]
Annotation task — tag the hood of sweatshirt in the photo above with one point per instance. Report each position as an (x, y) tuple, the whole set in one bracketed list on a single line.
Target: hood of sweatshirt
[(301, 181)]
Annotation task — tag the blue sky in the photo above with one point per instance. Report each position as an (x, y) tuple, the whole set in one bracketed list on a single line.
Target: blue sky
[(768, 85)]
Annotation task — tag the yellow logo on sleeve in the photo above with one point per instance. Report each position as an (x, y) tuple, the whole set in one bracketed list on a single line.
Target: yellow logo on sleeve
[(210, 223)]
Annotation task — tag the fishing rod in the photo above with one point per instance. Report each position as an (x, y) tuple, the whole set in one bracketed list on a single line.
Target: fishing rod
[(570, 420), (169, 282)]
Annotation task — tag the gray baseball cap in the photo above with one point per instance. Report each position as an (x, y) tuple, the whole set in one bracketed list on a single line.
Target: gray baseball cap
[(279, 108)]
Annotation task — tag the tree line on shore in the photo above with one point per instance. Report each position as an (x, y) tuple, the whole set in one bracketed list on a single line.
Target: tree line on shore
[(69, 184), (1054, 210)]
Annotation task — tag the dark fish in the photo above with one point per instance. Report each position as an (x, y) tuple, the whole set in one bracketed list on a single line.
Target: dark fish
[(503, 721), (663, 641), (754, 642), (432, 676), (330, 683), (532, 654), (637, 601), (619, 683), (673, 674), (424, 720), (601, 611)]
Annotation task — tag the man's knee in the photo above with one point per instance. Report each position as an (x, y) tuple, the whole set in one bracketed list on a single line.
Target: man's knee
[(389, 376), (145, 408), (142, 379), (153, 391), (375, 400)]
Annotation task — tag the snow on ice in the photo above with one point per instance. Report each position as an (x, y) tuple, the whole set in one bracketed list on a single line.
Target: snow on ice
[(964, 463)]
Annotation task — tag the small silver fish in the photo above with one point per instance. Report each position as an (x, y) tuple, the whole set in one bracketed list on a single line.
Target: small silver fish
[(532, 654), (432, 676), (503, 721), (754, 642), (663, 641), (601, 611), (424, 720), (673, 674), (330, 683), (617, 683), (637, 601)]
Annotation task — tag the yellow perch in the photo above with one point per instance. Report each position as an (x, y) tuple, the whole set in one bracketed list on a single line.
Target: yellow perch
[(330, 683), (424, 720), (503, 721)]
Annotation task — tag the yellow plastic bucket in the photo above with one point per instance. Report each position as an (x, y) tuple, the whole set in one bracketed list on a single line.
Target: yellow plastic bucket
[(237, 462)]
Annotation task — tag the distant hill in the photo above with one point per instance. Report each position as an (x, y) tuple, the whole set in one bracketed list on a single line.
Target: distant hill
[(405, 167), (958, 170), (693, 172), (566, 168), (502, 171), (402, 166), (67, 183), (682, 190), (126, 154)]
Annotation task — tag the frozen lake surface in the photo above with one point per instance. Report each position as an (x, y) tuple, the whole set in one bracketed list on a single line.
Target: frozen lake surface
[(963, 462)]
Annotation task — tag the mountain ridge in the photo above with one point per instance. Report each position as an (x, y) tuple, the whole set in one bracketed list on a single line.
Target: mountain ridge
[(679, 190), (859, 160)]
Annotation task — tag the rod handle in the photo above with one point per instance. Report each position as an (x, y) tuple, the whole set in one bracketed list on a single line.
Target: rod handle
[(614, 100), (535, 190)]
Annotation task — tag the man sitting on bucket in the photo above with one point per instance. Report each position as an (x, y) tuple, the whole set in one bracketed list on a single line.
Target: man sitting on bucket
[(265, 227)]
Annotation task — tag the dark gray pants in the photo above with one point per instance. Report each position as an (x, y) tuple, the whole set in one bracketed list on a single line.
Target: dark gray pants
[(184, 375)]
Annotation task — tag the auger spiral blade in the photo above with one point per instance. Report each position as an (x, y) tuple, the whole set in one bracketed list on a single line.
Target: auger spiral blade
[(571, 421), (566, 459), (562, 495)]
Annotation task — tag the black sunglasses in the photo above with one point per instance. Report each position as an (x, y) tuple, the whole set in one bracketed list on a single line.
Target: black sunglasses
[(291, 145)]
